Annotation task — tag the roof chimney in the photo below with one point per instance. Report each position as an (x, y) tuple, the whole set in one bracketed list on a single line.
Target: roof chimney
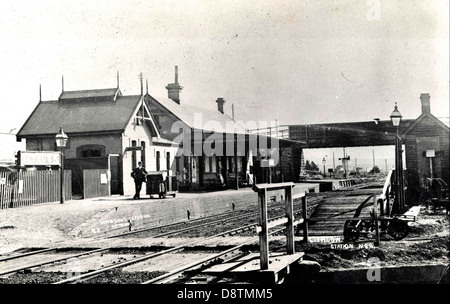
[(174, 89), (141, 77), (220, 102), (425, 101)]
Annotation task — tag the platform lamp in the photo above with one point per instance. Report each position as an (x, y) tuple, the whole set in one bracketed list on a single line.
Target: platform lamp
[(324, 162), (396, 118), (61, 141)]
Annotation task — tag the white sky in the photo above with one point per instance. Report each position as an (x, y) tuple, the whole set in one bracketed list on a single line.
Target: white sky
[(295, 61)]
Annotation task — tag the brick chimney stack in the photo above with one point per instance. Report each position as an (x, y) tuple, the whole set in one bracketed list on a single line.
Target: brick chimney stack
[(425, 101), (220, 102), (174, 89)]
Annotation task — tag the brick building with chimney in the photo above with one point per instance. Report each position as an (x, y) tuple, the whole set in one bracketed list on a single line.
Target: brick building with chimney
[(195, 168), (110, 131), (106, 130)]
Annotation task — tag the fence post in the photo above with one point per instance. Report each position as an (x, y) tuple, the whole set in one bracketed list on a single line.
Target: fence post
[(305, 218), (263, 236), (290, 220), (375, 217)]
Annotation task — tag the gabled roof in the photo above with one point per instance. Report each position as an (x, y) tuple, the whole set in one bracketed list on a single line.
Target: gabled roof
[(90, 93), (421, 118), (48, 116), (187, 112)]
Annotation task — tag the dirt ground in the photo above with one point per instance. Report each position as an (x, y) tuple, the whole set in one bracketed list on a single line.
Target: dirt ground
[(427, 243)]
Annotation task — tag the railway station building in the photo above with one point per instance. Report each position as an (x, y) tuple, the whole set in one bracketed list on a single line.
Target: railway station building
[(110, 132), (215, 150), (107, 131)]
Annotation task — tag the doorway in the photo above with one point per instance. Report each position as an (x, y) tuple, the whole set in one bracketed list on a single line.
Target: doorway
[(114, 168)]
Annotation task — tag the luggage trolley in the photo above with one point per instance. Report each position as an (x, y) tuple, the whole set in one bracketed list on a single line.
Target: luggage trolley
[(157, 185), (396, 226)]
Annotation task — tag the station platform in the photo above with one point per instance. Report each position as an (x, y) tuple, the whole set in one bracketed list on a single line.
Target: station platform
[(44, 225), (148, 212), (331, 184)]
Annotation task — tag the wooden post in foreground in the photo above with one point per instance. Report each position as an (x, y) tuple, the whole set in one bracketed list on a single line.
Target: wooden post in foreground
[(290, 221), (305, 219), (375, 217), (263, 236)]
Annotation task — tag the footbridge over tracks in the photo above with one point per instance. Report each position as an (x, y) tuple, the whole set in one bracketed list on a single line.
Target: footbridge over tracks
[(417, 137)]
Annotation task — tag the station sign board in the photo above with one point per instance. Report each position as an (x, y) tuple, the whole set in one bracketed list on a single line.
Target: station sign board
[(267, 162), (39, 158), (430, 153), (136, 148)]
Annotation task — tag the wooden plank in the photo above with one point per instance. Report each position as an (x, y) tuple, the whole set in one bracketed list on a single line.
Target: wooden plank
[(305, 219), (334, 219), (247, 267), (263, 236), (270, 187)]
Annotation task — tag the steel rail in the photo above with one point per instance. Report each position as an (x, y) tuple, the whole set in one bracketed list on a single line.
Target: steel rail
[(166, 277), (26, 254), (54, 261), (195, 226), (224, 214), (92, 274)]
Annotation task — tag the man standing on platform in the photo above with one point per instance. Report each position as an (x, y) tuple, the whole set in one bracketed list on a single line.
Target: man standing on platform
[(138, 175)]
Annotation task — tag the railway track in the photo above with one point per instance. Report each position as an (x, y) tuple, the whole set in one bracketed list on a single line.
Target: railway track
[(177, 228), (38, 260), (166, 277), (203, 263), (36, 263), (196, 224)]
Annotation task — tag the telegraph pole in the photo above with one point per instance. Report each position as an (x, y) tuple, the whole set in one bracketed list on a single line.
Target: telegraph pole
[(373, 156)]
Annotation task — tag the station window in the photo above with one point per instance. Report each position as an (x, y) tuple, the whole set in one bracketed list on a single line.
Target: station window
[(158, 161), (213, 164), (231, 168), (177, 164), (207, 163), (168, 160), (186, 163), (133, 155)]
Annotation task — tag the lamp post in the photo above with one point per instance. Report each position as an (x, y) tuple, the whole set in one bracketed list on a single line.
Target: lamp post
[(324, 162), (396, 118), (61, 141)]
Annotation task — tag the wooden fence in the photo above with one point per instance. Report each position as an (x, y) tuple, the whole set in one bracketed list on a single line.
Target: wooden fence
[(96, 182), (23, 188)]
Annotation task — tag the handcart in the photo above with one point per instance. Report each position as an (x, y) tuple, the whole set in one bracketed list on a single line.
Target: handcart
[(396, 226), (157, 185)]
